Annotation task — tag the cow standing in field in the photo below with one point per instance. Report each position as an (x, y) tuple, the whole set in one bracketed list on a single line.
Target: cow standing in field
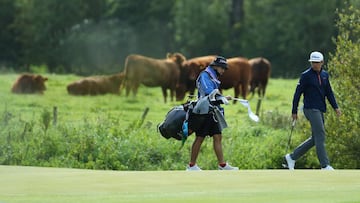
[(152, 73), (261, 69), (29, 84), (96, 85), (237, 76)]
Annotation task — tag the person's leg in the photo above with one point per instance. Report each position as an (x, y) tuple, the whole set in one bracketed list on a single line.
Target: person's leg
[(195, 149), (218, 148), (316, 119), (306, 145), (302, 148)]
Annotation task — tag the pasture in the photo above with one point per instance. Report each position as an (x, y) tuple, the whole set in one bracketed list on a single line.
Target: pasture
[(104, 132), (54, 185)]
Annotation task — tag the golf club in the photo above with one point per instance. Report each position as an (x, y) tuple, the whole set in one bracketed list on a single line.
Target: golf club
[(247, 105), (289, 141), (292, 129)]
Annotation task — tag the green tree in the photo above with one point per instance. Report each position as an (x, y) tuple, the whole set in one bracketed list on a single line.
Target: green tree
[(201, 28), (8, 44), (344, 133), (287, 31), (42, 25)]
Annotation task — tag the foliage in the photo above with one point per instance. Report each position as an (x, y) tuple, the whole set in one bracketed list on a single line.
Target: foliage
[(344, 67), (95, 36), (201, 25), (294, 29)]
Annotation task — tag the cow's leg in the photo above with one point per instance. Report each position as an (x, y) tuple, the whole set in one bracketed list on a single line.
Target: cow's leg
[(128, 88), (172, 94), (236, 92), (244, 87), (135, 88), (263, 89), (164, 93)]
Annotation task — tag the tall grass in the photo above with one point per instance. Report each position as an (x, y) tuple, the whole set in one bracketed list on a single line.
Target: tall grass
[(107, 132)]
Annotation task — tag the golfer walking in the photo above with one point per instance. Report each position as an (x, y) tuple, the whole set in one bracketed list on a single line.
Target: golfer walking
[(314, 85), (207, 82)]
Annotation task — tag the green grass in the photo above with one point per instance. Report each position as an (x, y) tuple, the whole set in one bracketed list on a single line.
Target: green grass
[(97, 132), (54, 185), (103, 123)]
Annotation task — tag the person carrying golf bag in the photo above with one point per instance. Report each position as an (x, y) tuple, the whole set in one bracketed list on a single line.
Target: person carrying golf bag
[(315, 86), (205, 123)]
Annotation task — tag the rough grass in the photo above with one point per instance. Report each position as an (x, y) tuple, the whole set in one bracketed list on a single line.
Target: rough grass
[(54, 185), (97, 132)]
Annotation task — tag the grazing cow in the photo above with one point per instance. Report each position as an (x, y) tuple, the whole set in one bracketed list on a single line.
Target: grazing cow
[(152, 72), (260, 69), (96, 85), (29, 84), (237, 76)]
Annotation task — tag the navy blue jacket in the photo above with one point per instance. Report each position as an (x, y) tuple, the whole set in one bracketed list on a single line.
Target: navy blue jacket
[(314, 91)]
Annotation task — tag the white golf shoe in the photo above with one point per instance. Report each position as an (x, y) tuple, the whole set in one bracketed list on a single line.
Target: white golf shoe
[(193, 168), (228, 167), (328, 168), (290, 162)]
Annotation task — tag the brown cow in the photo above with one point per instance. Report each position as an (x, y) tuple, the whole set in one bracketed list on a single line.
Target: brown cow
[(96, 85), (261, 69), (190, 70), (152, 72), (29, 84), (237, 76)]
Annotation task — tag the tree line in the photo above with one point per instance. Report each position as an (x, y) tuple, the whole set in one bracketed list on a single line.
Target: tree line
[(95, 36)]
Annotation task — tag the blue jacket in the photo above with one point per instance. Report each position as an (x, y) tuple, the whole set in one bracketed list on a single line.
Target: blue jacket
[(207, 82), (314, 91)]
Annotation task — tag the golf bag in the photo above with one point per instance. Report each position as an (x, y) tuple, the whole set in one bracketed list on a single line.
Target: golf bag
[(171, 127), (196, 112)]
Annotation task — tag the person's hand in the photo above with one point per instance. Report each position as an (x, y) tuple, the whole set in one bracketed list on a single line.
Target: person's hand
[(228, 97), (338, 112)]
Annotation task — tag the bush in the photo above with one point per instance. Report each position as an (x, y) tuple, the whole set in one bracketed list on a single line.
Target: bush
[(343, 132)]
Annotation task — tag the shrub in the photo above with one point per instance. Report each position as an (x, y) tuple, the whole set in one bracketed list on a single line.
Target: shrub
[(344, 66)]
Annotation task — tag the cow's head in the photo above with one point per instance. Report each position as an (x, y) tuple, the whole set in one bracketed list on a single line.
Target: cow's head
[(176, 57), (39, 83), (189, 72)]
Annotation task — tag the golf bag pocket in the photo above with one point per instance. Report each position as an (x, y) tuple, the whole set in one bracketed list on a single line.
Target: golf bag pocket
[(171, 127)]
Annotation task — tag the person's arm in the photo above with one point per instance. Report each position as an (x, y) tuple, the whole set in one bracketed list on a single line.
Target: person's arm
[(331, 98), (296, 98)]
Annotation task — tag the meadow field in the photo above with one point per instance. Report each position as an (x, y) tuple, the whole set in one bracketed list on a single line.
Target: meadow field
[(106, 131)]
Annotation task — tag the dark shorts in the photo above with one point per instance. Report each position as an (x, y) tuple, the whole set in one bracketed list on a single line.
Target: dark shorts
[(203, 125)]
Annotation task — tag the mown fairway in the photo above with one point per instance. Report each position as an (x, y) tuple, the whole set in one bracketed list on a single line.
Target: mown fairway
[(50, 185)]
